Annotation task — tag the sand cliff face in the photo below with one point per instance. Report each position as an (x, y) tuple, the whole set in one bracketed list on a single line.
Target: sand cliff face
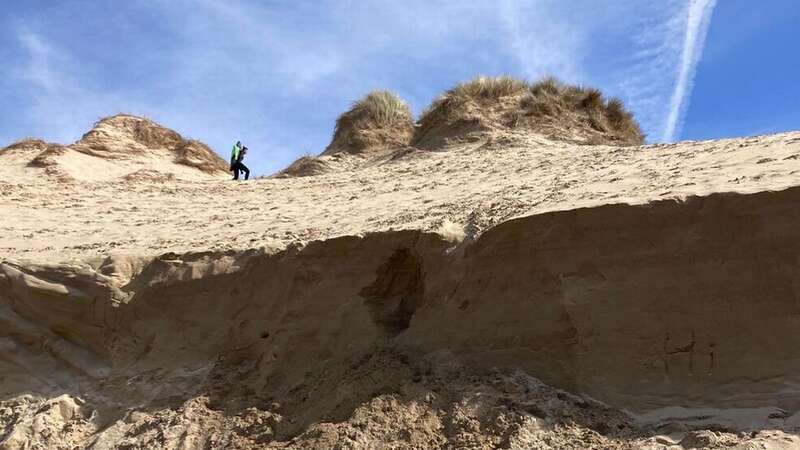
[(634, 305), (527, 310)]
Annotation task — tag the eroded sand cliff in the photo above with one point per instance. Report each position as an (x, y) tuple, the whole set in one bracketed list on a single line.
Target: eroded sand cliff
[(506, 291)]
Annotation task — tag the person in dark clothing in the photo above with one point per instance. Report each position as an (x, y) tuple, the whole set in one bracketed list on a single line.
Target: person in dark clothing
[(237, 149), (237, 155)]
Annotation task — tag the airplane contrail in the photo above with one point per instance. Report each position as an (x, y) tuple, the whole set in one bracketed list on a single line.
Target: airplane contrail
[(698, 19)]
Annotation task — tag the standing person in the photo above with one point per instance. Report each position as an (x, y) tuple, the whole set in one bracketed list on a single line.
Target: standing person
[(237, 165), (237, 150)]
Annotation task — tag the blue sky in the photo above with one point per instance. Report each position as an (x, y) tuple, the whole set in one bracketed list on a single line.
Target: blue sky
[(276, 74)]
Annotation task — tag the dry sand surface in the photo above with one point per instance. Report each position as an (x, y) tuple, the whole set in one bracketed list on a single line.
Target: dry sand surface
[(147, 301), (469, 187)]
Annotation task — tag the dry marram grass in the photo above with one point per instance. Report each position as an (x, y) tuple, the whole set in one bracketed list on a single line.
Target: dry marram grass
[(550, 100), (27, 144), (380, 119), (305, 166), (572, 113)]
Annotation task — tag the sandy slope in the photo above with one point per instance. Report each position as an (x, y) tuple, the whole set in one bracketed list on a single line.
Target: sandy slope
[(472, 186)]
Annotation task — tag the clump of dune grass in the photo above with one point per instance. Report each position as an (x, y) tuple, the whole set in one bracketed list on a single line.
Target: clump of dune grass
[(576, 113), (27, 144), (44, 151), (484, 87), (45, 158), (305, 166), (380, 119), (451, 104), (552, 102), (194, 153)]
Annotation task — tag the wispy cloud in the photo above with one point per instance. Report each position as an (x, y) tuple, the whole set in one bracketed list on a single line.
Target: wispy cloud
[(698, 19), (542, 39), (53, 101), (40, 69)]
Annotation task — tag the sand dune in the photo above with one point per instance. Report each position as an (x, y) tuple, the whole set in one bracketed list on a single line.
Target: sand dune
[(120, 146), (507, 290)]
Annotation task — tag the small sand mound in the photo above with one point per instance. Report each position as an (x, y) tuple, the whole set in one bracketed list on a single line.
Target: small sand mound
[(44, 153), (48, 156), (549, 107), (26, 145), (379, 120), (112, 137), (123, 136), (305, 166), (115, 148), (149, 176)]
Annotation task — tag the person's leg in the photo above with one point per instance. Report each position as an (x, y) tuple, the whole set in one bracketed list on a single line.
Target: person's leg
[(245, 170), (235, 170)]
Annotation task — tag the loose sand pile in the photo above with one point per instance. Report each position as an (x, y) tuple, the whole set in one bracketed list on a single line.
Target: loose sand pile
[(512, 289)]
